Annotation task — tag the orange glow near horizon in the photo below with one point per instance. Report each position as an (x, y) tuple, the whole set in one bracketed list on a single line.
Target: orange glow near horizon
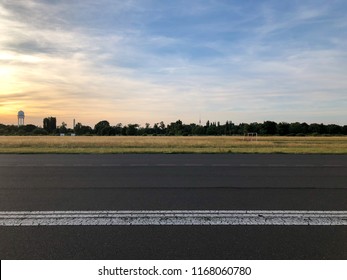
[(55, 64)]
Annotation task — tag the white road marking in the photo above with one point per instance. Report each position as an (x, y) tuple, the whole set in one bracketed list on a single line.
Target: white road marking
[(173, 217), (167, 164)]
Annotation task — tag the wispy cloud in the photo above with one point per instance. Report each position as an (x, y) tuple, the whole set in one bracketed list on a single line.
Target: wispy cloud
[(133, 61)]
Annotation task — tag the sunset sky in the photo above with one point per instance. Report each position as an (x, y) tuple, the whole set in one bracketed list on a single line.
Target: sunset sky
[(141, 61)]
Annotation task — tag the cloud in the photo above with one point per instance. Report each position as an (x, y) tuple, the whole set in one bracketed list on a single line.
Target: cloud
[(128, 60)]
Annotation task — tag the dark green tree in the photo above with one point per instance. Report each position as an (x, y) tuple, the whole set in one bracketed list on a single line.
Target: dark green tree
[(295, 128), (39, 131), (283, 128), (83, 129), (100, 126), (254, 127), (334, 129), (175, 128), (118, 129), (132, 129), (198, 130), (63, 128), (108, 131), (268, 128), (162, 127), (211, 130)]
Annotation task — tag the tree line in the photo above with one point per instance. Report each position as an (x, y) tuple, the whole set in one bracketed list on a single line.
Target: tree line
[(178, 128)]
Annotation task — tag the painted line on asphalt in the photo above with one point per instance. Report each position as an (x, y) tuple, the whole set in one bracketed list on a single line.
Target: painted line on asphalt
[(170, 165), (173, 217)]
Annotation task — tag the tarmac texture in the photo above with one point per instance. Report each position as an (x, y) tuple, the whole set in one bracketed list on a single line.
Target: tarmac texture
[(172, 183)]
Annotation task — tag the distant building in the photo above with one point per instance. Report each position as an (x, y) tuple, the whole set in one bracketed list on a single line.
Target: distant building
[(21, 118), (50, 124)]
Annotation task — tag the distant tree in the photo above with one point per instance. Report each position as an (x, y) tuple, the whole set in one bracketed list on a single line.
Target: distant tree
[(12, 129), (62, 128), (296, 128), (198, 130), (175, 128), (118, 128), (100, 126), (254, 127), (39, 131), (83, 129), (108, 131), (147, 129), (243, 128), (132, 129), (178, 128), (29, 128), (268, 128), (187, 129), (3, 129), (162, 127), (283, 128), (333, 129), (25, 129), (315, 128), (49, 124), (156, 129), (211, 130), (229, 128)]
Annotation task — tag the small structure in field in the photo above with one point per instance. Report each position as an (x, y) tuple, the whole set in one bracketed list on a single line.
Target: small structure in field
[(250, 136)]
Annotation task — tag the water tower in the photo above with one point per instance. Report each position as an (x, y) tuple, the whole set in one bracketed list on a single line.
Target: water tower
[(20, 118)]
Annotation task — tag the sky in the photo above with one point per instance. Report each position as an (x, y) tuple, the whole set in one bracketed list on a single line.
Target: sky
[(141, 61)]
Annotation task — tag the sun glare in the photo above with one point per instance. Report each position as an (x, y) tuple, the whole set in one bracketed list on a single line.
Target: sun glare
[(7, 80)]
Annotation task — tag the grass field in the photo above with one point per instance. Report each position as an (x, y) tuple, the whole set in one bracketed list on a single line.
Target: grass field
[(171, 144)]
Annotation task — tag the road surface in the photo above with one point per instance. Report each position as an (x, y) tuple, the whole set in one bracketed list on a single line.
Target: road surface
[(99, 183)]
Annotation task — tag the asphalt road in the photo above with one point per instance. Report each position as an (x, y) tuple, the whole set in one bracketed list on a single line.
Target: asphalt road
[(173, 182)]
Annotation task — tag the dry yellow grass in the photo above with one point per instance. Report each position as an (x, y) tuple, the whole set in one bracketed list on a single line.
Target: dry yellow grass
[(171, 144)]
